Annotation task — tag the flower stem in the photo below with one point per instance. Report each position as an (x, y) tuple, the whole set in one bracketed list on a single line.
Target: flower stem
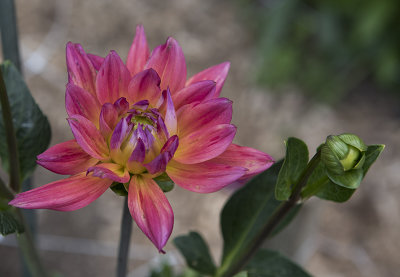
[(13, 160), (29, 251), (231, 269), (124, 240)]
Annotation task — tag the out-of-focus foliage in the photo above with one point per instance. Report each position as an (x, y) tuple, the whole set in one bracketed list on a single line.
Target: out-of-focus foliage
[(326, 47)]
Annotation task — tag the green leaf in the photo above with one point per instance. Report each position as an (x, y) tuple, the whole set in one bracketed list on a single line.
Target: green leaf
[(164, 182), (196, 253), (354, 141), (9, 224), (246, 213), (268, 263), (333, 192), (350, 179), (295, 162), (371, 155), (31, 126), (241, 274), (316, 181)]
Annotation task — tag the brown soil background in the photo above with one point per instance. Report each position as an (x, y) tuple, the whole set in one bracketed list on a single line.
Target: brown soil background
[(359, 239)]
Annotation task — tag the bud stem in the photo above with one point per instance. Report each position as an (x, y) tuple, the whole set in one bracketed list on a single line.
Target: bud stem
[(124, 241)]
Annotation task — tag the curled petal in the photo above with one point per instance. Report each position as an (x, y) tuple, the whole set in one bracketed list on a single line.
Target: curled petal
[(80, 69), (255, 161), (136, 159), (170, 116), (151, 210), (88, 137), (145, 86), (138, 53), (64, 195), (209, 113), (121, 106), (205, 144), (66, 158), (79, 101), (203, 177), (112, 79), (108, 119), (119, 136), (196, 92), (111, 171), (217, 73), (160, 162), (97, 61), (169, 62)]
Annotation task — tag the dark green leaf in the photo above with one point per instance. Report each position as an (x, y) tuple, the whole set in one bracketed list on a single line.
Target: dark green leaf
[(164, 182), (316, 181), (196, 253), (267, 263), (241, 274), (31, 126), (9, 224), (331, 191), (246, 213), (350, 179), (371, 155), (119, 189), (295, 162)]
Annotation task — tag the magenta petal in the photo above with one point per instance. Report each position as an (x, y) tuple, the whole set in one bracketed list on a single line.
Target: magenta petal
[(139, 153), (88, 137), (203, 177), (111, 171), (108, 119), (121, 106), (112, 79), (201, 116), (80, 69), (196, 92), (64, 195), (151, 210), (138, 53), (205, 144), (255, 161), (170, 116), (97, 61), (66, 158), (169, 62), (216, 73), (159, 163), (145, 86), (79, 101)]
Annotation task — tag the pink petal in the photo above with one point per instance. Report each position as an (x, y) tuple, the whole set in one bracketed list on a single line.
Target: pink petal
[(205, 144), (211, 112), (80, 69), (255, 161), (145, 86), (121, 106), (79, 101), (216, 73), (64, 195), (196, 92), (88, 137), (138, 53), (159, 163), (66, 158), (111, 171), (169, 62), (112, 80), (97, 61), (203, 177), (170, 116), (151, 210), (108, 119)]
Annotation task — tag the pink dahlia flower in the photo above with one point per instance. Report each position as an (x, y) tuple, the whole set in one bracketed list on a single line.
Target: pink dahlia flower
[(136, 121)]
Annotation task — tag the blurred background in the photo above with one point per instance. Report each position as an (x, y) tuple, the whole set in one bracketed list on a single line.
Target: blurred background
[(301, 68)]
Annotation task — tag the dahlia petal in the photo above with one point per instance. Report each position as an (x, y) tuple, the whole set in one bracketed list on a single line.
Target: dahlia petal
[(203, 177), (169, 62), (66, 158), (170, 116), (111, 171), (138, 53), (139, 152), (151, 210), (97, 61), (211, 112), (64, 195), (120, 134), (80, 69), (145, 86), (79, 101), (217, 73), (121, 106), (255, 161), (204, 144), (112, 79), (108, 119), (159, 163), (88, 137), (196, 92)]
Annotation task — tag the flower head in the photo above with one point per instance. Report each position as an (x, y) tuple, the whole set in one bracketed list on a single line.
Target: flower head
[(138, 121)]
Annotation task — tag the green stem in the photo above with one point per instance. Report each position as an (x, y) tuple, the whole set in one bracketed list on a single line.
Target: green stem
[(5, 192), (230, 268), (28, 249), (13, 160), (124, 242)]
